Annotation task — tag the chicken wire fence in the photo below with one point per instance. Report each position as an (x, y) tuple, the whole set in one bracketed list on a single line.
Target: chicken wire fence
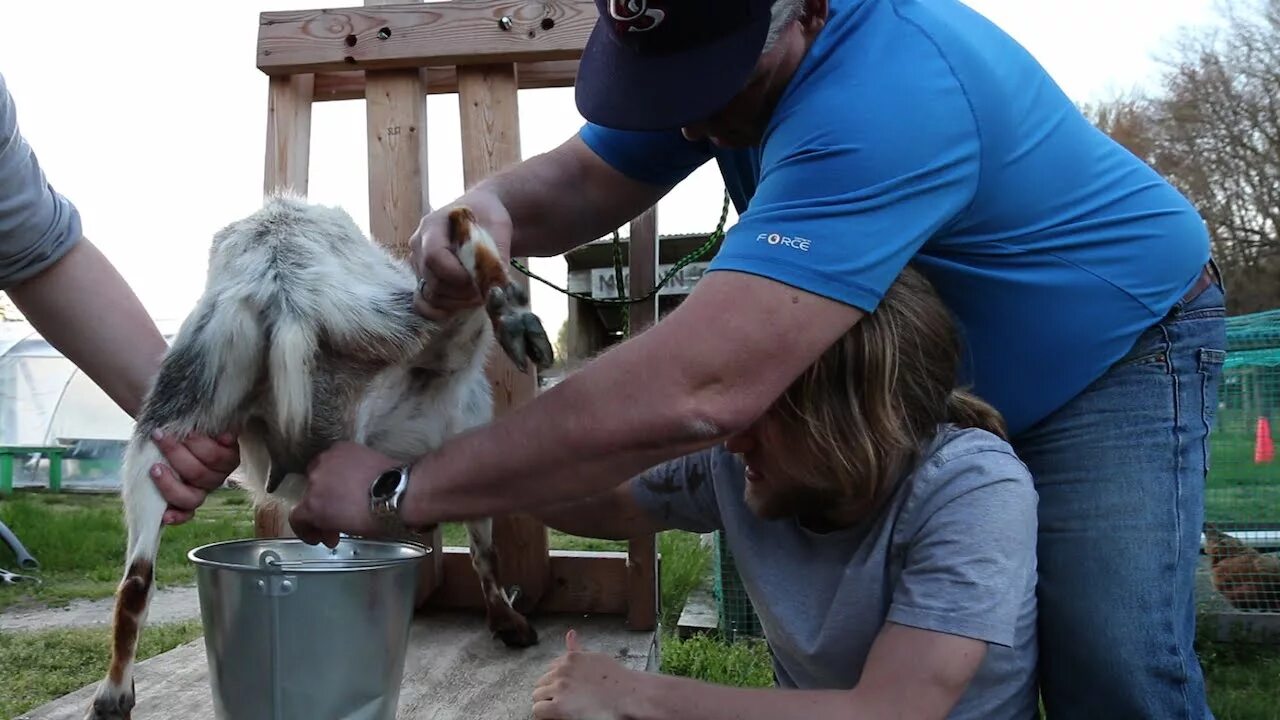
[(1240, 569), (1240, 566)]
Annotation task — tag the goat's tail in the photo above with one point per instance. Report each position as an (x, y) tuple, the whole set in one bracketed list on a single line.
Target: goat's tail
[(291, 359), (203, 384)]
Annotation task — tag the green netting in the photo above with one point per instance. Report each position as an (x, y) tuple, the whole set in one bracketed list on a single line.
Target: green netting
[(737, 615), (1242, 495)]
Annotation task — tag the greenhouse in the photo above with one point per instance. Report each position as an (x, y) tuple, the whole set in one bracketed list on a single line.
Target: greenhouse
[(56, 425)]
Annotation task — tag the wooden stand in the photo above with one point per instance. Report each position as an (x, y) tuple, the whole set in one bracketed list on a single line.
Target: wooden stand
[(393, 55)]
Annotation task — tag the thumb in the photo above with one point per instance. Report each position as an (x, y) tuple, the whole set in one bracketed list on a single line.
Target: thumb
[(571, 641)]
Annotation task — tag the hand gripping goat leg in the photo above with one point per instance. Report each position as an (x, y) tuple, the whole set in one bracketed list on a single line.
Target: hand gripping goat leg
[(306, 335)]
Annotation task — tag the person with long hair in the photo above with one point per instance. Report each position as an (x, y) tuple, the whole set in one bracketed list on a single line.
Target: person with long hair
[(884, 529)]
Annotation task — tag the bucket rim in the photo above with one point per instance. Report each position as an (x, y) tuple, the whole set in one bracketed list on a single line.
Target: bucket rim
[(418, 550)]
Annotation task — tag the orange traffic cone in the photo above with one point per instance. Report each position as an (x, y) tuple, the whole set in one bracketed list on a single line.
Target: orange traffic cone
[(1264, 451)]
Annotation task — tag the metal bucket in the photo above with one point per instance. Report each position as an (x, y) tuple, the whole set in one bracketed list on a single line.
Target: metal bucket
[(297, 631)]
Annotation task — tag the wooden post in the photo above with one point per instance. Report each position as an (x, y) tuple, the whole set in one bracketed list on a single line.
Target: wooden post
[(490, 125), (484, 50), (288, 161), (396, 121), (642, 552), (287, 167)]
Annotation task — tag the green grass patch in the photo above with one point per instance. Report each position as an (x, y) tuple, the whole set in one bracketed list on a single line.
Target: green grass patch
[(744, 663), (1239, 490), (41, 666), (1243, 679), (79, 540)]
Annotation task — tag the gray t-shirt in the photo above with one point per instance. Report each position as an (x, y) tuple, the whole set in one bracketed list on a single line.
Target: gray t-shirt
[(37, 225), (954, 552)]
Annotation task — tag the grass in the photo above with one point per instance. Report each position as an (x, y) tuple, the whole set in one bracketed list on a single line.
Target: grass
[(79, 540), (1243, 679), (41, 666), (1238, 490)]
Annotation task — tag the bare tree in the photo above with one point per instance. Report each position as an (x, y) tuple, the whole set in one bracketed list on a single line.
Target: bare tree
[(1213, 130)]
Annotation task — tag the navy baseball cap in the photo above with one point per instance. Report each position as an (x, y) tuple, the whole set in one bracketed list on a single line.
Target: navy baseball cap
[(664, 64)]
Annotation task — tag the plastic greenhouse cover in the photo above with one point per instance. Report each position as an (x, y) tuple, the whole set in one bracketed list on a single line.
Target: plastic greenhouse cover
[(45, 399)]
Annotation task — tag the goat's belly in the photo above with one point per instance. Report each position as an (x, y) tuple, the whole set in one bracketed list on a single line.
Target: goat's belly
[(404, 420)]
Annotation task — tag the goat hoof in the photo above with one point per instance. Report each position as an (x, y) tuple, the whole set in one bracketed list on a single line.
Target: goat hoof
[(519, 331), (521, 636), (112, 704)]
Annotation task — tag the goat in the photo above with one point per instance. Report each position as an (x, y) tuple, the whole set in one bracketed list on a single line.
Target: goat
[(306, 335)]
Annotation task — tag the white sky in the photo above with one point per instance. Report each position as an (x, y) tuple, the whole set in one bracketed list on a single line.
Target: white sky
[(151, 117)]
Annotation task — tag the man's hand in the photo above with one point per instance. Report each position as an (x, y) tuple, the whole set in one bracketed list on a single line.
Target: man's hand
[(336, 498), (196, 467), (585, 685), (448, 286)]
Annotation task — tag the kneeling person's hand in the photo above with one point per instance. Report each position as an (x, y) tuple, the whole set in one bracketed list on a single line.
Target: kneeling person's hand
[(197, 465)]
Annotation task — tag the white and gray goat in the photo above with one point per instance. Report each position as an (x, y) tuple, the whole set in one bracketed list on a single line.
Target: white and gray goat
[(306, 335)]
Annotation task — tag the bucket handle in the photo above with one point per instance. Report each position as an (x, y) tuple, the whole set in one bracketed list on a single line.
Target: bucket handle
[(277, 585), (271, 560)]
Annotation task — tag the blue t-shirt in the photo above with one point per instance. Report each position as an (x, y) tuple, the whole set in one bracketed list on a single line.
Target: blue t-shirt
[(920, 132)]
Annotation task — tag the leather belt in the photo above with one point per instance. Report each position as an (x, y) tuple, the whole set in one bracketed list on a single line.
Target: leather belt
[(1209, 275)]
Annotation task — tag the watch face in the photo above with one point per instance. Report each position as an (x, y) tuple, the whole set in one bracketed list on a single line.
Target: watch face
[(386, 483)]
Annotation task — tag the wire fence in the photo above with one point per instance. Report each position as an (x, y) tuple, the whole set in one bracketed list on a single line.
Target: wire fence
[(1240, 565), (1240, 568)]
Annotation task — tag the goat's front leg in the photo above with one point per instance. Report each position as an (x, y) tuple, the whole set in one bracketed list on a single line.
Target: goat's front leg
[(504, 621)]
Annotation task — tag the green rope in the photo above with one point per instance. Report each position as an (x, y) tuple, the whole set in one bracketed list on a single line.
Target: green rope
[(622, 299)]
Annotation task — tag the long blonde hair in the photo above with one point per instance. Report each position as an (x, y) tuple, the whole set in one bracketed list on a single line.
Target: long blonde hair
[(862, 413)]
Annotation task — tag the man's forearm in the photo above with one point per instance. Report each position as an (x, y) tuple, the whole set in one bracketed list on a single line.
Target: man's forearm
[(702, 374), (563, 198), (667, 697), (521, 461), (610, 515), (82, 306)]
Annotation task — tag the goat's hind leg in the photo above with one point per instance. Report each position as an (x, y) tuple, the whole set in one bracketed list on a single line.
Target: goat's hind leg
[(144, 510), (517, 328), (507, 624), (218, 348)]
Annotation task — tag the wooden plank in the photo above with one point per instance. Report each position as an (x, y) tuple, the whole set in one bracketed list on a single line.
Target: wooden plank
[(454, 670), (396, 124), (642, 552), (286, 166), (417, 35), (288, 151), (700, 614), (349, 85), (579, 582), (490, 128), (396, 118), (1236, 626)]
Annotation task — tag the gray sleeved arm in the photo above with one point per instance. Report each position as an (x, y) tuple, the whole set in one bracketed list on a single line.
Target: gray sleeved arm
[(681, 493), (38, 226), (970, 549)]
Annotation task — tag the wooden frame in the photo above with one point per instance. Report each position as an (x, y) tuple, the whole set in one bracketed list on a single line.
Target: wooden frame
[(392, 56)]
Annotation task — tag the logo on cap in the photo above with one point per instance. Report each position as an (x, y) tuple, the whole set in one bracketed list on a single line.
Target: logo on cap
[(635, 15)]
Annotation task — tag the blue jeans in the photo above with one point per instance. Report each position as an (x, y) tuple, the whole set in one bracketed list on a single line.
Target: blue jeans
[(1120, 472)]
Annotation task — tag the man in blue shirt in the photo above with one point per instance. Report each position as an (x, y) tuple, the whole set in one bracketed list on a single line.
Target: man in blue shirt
[(855, 136)]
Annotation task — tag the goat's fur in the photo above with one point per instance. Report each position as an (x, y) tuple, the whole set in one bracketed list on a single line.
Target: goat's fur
[(306, 335)]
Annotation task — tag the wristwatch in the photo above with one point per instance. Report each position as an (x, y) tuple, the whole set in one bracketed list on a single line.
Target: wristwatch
[(385, 496)]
